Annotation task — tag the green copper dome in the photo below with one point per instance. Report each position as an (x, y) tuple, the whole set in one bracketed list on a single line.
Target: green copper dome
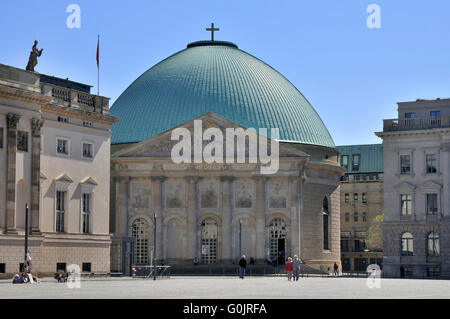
[(215, 77)]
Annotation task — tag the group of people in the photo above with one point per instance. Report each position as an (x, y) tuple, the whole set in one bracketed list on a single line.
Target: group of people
[(25, 274), (293, 267)]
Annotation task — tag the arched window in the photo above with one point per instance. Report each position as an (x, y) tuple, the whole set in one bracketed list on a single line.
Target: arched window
[(209, 241), (277, 233), (433, 244), (325, 222), (407, 244), (140, 231)]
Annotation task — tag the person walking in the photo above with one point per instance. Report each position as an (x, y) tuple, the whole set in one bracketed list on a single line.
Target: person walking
[(296, 267), (243, 265), (289, 268), (336, 268)]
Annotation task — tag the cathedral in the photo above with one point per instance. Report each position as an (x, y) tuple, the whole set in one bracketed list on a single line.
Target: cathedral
[(212, 212)]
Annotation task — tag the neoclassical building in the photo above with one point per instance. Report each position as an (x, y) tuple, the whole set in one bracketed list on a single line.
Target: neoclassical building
[(416, 231), (54, 156), (215, 212)]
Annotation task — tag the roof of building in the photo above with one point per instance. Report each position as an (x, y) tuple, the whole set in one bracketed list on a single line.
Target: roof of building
[(371, 157), (215, 77)]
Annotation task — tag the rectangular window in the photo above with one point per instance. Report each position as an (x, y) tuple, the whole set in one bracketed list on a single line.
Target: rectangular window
[(63, 119), (364, 217), (2, 268), (405, 164), (355, 165), (435, 113), (344, 161), (86, 212), (364, 198), (355, 217), (355, 197), (410, 115), (62, 146), (60, 266), (87, 150), (347, 197), (60, 211), (86, 267), (432, 207), (347, 217), (1, 137), (406, 204), (344, 244), (431, 163), (22, 141), (433, 271)]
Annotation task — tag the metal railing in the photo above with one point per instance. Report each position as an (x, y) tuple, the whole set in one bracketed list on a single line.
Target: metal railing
[(419, 123)]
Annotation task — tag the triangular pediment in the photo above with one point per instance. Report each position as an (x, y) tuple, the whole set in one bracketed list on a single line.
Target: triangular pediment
[(405, 185), (160, 146), (431, 185), (63, 178), (89, 181)]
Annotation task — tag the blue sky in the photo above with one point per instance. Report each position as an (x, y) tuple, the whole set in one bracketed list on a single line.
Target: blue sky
[(351, 74)]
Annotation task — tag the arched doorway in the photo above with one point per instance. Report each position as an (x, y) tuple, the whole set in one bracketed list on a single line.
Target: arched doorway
[(141, 231), (277, 236), (209, 234)]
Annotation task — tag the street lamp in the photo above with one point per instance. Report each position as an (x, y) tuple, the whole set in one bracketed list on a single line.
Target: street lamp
[(154, 244), (240, 238), (26, 236), (351, 254)]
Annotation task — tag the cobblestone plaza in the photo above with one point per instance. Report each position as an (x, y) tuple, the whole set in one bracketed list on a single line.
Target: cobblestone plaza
[(231, 288)]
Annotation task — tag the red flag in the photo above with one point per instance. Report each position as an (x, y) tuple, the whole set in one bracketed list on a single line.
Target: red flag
[(98, 45)]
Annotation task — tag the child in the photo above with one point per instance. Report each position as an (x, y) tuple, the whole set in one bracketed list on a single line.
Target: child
[(289, 268)]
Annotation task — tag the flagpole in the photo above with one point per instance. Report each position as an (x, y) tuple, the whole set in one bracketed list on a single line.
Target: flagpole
[(98, 66)]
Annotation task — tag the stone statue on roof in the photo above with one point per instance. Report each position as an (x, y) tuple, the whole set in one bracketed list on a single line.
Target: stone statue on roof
[(34, 54)]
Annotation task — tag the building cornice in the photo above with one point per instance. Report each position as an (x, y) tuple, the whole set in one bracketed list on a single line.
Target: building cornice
[(27, 96), (80, 114)]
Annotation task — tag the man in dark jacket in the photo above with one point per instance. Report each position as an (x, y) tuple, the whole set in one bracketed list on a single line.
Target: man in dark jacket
[(243, 265)]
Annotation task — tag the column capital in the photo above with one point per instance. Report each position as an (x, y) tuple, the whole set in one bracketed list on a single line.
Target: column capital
[(227, 178), (36, 126), (260, 179), (192, 179), (122, 179), (158, 178), (12, 120)]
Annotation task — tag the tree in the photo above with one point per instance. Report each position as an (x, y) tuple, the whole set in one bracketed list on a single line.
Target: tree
[(375, 234)]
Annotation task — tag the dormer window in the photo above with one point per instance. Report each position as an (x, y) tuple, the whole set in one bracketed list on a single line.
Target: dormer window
[(356, 158)]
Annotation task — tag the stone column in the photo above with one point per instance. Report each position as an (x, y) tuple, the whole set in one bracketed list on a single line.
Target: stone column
[(192, 211), (445, 169), (227, 215), (158, 205), (36, 125), (294, 185), (122, 199), (11, 145), (260, 213)]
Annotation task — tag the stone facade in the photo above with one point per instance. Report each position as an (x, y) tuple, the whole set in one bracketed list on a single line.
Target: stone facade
[(34, 116), (361, 202), (214, 213), (417, 190)]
